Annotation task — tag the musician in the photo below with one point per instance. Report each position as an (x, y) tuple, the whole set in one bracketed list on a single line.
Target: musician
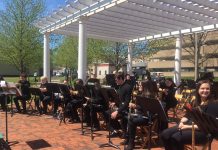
[(46, 97), (169, 95), (24, 86), (149, 90), (176, 137), (124, 93), (76, 101), (95, 103), (130, 81), (2, 97)]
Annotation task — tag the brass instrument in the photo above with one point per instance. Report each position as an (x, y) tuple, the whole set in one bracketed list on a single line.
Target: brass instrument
[(74, 92)]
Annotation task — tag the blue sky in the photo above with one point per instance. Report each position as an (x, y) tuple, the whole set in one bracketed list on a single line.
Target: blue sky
[(54, 4), (50, 4)]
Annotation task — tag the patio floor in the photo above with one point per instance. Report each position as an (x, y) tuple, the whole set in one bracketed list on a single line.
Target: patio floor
[(44, 132)]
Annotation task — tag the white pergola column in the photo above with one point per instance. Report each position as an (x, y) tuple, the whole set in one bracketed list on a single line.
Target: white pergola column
[(178, 52), (82, 51), (196, 57), (46, 57), (129, 61)]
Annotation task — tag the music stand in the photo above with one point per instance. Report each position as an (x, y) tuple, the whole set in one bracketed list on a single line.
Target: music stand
[(205, 122), (65, 91), (106, 92), (7, 91), (153, 106), (52, 88), (36, 92)]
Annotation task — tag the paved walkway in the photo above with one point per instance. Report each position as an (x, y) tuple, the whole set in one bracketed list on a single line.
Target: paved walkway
[(42, 132)]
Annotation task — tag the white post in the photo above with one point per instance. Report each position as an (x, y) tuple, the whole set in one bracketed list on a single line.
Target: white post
[(197, 53), (178, 52), (129, 62), (82, 52), (46, 57)]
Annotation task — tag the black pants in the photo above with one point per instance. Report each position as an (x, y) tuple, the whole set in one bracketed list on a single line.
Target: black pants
[(23, 100), (2, 102), (45, 101), (114, 123), (90, 112), (133, 122), (173, 139), (73, 105)]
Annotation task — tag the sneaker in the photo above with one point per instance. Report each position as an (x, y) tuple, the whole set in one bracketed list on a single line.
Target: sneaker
[(129, 147), (113, 134), (124, 142), (17, 111), (24, 112), (96, 129)]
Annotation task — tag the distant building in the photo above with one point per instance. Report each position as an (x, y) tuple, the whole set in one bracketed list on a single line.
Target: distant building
[(100, 70), (164, 60)]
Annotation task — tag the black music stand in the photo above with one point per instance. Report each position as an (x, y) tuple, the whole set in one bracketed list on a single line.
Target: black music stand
[(153, 106), (6, 91), (205, 122), (113, 95), (52, 88), (65, 91), (36, 92)]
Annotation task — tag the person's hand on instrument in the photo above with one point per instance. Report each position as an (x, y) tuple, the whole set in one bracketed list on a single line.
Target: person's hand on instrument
[(114, 115), (111, 104), (132, 105)]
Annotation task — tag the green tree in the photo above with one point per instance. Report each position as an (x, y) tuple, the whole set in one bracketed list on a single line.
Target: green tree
[(20, 41), (67, 54)]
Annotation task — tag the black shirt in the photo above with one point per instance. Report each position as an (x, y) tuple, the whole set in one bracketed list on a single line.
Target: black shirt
[(24, 85), (124, 93)]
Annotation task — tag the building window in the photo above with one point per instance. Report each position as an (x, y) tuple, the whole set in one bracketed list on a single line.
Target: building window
[(99, 72), (105, 72)]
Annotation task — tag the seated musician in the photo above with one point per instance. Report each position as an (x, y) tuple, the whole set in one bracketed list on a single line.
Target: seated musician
[(176, 137), (124, 93), (169, 95), (76, 101), (95, 104), (130, 81), (2, 97), (46, 97), (24, 86), (149, 90)]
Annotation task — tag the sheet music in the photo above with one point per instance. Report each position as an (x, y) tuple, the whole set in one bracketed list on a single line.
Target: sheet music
[(10, 88), (3, 84)]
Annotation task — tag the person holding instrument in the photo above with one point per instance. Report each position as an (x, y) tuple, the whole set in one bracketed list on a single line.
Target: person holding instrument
[(124, 93), (95, 103), (24, 85), (176, 137), (168, 96), (150, 91), (2, 97), (76, 101), (46, 96)]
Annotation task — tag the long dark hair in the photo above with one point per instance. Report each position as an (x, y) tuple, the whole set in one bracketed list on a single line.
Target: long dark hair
[(197, 101)]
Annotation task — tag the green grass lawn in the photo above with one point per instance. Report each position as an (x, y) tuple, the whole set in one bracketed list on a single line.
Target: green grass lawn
[(32, 79)]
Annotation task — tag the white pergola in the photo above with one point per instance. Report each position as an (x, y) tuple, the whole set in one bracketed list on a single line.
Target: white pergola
[(128, 21)]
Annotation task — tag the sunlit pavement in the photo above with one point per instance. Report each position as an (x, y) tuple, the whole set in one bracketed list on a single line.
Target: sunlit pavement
[(44, 132)]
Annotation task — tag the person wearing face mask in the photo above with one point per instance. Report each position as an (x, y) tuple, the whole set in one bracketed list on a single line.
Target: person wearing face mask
[(176, 137)]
